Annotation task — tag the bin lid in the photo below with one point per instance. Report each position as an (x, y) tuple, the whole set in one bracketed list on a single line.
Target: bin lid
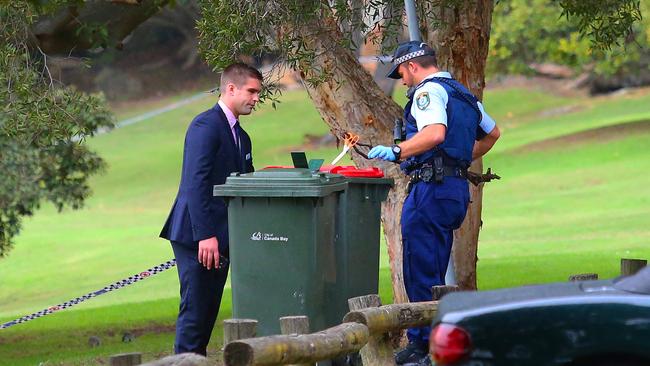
[(281, 182)]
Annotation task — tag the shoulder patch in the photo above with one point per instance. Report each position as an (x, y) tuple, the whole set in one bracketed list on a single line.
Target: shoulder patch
[(422, 100)]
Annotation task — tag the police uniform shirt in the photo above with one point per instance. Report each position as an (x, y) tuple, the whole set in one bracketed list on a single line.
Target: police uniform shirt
[(430, 105)]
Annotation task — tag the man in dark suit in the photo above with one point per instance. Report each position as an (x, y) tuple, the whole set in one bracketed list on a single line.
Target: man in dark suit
[(215, 147)]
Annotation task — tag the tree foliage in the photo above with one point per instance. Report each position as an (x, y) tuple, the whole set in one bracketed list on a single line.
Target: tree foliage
[(603, 21), (43, 126), (230, 29), (600, 35), (603, 37)]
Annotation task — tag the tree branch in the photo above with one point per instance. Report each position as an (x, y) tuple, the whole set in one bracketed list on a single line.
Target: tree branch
[(95, 23)]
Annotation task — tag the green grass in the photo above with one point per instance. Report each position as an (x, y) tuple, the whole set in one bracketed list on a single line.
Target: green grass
[(590, 114), (558, 210), (570, 206), (63, 338)]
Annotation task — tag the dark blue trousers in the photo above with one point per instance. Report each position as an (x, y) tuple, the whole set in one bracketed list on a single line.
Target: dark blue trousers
[(431, 212), (201, 291)]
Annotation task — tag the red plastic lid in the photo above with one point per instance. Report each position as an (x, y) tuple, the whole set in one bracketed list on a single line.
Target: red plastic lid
[(278, 167), (344, 170), (353, 172)]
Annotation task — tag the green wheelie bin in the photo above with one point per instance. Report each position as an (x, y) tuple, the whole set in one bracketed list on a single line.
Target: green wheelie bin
[(282, 228), (358, 237), (303, 242)]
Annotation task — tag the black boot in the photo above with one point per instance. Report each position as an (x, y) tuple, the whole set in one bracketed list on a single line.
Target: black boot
[(413, 352), (424, 361)]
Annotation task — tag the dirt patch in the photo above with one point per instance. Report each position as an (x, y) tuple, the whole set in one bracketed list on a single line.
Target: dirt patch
[(596, 135), (559, 87), (552, 112), (155, 328)]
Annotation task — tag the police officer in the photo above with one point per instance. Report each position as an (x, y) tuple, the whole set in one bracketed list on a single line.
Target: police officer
[(446, 128)]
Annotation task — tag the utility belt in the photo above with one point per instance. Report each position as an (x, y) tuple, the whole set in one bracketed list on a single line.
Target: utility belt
[(435, 172)]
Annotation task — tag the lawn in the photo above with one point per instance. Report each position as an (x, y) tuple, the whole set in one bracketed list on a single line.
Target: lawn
[(568, 202)]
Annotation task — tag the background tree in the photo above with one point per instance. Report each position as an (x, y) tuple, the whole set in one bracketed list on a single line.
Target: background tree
[(527, 33), (43, 126), (66, 25), (158, 58), (308, 36), (43, 123)]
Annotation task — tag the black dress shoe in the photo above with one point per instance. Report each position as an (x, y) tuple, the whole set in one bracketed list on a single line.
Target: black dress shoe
[(424, 361), (413, 352)]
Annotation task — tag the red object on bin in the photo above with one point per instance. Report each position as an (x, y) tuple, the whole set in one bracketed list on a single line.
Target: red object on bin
[(278, 167), (349, 171), (353, 172)]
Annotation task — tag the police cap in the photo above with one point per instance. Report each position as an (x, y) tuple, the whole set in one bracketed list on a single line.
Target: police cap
[(407, 51)]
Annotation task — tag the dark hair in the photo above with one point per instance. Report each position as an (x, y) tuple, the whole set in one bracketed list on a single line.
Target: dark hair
[(238, 73), (426, 61)]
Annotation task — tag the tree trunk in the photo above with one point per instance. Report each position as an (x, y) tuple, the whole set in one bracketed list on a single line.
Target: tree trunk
[(349, 100), (461, 42)]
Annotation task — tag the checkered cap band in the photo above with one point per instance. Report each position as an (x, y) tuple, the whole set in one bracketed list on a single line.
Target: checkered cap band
[(409, 56)]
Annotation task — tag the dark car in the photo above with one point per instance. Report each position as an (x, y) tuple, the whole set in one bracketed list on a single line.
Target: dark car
[(576, 323)]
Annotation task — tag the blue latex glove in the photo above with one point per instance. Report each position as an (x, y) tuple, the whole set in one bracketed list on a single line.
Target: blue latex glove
[(381, 152)]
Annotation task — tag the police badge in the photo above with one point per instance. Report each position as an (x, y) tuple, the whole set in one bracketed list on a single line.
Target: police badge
[(422, 100)]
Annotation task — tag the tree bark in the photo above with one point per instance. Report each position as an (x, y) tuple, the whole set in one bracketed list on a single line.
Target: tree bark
[(461, 42), (349, 100)]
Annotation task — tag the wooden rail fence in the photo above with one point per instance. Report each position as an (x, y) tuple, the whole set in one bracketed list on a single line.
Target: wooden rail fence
[(366, 329)]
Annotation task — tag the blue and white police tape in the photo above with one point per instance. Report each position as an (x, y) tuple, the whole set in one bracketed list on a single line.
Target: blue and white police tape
[(113, 286)]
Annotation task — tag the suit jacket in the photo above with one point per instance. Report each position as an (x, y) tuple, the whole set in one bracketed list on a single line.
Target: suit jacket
[(209, 157)]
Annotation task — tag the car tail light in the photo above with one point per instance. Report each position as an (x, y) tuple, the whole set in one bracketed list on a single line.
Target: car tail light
[(449, 344)]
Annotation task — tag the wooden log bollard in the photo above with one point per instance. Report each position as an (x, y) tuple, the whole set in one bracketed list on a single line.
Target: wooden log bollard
[(236, 329), (126, 359), (437, 292), (632, 266), (282, 349), (184, 359), (363, 302), (583, 277), (379, 349), (396, 316), (295, 325)]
